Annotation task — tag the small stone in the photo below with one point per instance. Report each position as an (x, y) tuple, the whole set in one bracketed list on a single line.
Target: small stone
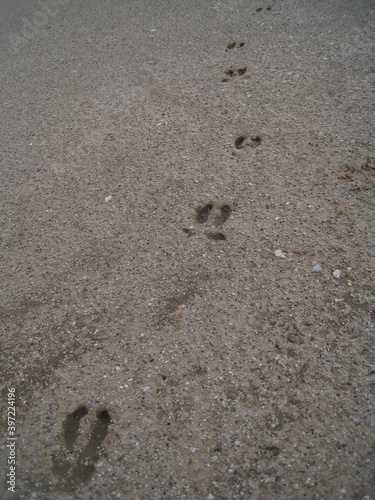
[(356, 419), (108, 198), (317, 269), (145, 389), (193, 450), (337, 273), (280, 254)]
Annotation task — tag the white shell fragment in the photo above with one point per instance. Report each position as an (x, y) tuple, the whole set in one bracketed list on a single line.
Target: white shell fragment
[(280, 254), (108, 198), (337, 273), (317, 269)]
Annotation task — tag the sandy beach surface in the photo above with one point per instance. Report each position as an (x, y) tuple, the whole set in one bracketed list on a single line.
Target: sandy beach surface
[(187, 256)]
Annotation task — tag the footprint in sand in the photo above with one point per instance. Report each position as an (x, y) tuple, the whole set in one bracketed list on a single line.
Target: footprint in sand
[(234, 72), (246, 140), (213, 214), (75, 465), (235, 45)]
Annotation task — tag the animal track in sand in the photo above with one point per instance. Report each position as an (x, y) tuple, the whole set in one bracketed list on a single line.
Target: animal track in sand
[(220, 213), (215, 236), (231, 72), (215, 214), (244, 140), (235, 45), (75, 465)]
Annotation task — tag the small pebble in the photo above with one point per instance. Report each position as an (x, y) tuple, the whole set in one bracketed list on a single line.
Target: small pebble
[(108, 198), (317, 269), (280, 254), (337, 274), (145, 389)]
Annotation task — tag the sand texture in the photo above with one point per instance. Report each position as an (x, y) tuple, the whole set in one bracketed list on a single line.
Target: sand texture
[(187, 249)]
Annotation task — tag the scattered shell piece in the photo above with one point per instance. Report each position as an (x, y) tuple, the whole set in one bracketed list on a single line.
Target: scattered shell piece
[(337, 273), (108, 198), (317, 269), (280, 254)]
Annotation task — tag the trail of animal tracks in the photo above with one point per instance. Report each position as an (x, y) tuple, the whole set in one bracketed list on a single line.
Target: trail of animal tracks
[(187, 248)]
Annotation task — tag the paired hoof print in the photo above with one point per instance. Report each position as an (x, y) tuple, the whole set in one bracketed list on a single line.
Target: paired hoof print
[(231, 72), (235, 45), (218, 214), (75, 464), (214, 214), (243, 140)]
